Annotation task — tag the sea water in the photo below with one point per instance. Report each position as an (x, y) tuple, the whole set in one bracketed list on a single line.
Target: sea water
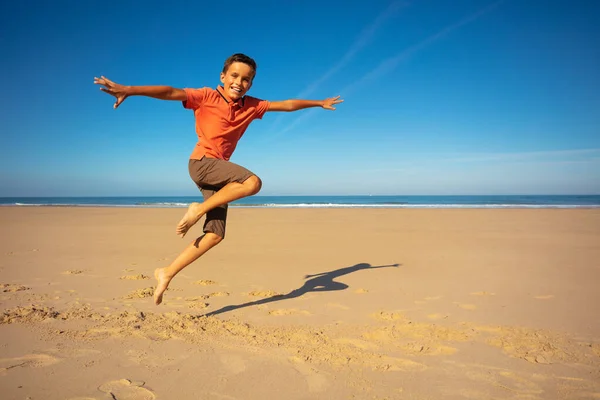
[(358, 201)]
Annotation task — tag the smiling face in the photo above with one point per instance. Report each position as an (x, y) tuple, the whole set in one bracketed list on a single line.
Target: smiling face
[(237, 80)]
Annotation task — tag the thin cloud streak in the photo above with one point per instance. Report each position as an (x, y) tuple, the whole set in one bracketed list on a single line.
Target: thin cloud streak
[(363, 40), (365, 37), (390, 64), (522, 155), (425, 160)]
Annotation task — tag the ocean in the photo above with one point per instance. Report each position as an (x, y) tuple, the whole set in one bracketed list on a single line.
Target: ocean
[(363, 201)]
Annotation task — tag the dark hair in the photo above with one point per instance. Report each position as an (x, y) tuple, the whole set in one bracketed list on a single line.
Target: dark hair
[(239, 57)]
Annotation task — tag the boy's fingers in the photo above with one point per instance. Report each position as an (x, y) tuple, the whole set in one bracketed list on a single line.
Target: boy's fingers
[(109, 91), (119, 101), (106, 81)]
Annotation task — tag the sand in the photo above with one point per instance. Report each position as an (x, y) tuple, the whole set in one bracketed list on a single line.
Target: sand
[(302, 304)]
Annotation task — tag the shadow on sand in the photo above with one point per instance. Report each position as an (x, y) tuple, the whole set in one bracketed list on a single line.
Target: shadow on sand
[(322, 282)]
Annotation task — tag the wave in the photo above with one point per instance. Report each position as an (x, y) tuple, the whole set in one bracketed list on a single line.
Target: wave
[(135, 205), (310, 205), (405, 205), (163, 204)]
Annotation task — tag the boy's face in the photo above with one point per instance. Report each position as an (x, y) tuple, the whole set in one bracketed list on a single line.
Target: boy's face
[(237, 80)]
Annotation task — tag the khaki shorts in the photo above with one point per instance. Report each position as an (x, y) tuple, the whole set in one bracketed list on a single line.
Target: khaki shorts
[(210, 175)]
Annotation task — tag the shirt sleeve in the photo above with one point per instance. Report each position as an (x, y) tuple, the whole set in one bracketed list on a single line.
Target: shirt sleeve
[(261, 107), (195, 97)]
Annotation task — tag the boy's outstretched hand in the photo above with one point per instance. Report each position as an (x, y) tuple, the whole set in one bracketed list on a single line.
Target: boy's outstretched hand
[(328, 104), (112, 88)]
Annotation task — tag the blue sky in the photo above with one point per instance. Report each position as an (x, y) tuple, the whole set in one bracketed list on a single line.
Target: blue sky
[(441, 97)]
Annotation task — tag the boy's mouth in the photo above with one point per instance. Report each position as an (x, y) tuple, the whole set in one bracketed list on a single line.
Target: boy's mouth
[(235, 89)]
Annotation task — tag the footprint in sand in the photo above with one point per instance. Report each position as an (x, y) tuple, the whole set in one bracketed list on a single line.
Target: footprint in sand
[(437, 316), (264, 293), (595, 348), (27, 361), (9, 287), (361, 344), (316, 380), (506, 379), (124, 389), (73, 272), (430, 298), (544, 297), (134, 277), (74, 353), (217, 294), (234, 363), (386, 363), (388, 316), (361, 291), (291, 311), (579, 388), (194, 298), (483, 294), (205, 282), (199, 306), (140, 293)]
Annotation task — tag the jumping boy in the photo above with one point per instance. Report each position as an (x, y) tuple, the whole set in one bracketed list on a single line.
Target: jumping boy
[(222, 116)]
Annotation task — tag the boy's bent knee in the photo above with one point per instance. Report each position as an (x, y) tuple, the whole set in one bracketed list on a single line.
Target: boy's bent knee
[(212, 238), (254, 184)]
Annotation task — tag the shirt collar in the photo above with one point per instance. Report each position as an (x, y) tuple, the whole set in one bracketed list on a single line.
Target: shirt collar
[(240, 102)]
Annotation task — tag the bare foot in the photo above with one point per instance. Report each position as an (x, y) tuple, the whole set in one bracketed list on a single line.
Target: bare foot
[(191, 216), (161, 285)]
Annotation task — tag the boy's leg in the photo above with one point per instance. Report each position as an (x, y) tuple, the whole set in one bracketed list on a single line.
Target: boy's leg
[(214, 233), (190, 254), (209, 175), (235, 181)]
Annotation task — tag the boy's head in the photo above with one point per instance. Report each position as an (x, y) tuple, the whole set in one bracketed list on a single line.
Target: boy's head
[(237, 75)]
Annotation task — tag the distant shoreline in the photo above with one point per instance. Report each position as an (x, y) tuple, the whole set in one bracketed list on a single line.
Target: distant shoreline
[(328, 202)]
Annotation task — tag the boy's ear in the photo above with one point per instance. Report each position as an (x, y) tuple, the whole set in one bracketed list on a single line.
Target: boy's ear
[(222, 77)]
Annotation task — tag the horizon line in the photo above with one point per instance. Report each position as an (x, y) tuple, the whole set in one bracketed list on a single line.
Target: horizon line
[(313, 195)]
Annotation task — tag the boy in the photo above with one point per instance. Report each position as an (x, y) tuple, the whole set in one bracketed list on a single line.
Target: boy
[(222, 116)]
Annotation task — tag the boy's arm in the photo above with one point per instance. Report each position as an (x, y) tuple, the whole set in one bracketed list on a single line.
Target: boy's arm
[(294, 105), (121, 92)]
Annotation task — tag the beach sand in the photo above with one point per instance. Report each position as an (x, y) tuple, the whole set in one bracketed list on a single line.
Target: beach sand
[(302, 304)]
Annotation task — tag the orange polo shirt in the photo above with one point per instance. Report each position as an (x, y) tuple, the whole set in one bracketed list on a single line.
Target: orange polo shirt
[(220, 123)]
